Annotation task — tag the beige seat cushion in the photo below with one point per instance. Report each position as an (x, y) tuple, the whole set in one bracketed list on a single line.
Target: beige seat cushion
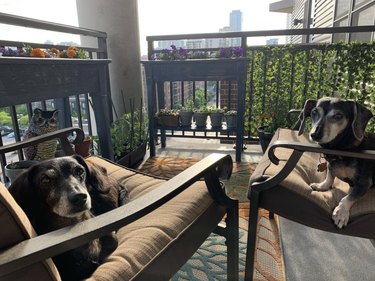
[(15, 227), (297, 187), (144, 240), (140, 243)]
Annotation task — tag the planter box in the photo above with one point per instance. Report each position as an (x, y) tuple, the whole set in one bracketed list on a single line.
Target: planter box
[(159, 72), (168, 121), (24, 80)]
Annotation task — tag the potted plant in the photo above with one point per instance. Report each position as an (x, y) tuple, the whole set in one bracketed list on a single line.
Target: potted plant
[(281, 118), (231, 118), (13, 169), (200, 116), (84, 148), (168, 117), (216, 116), (129, 137), (186, 113)]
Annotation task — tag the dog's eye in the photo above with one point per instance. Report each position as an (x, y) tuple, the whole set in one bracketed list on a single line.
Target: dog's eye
[(338, 116), (45, 179), (78, 171)]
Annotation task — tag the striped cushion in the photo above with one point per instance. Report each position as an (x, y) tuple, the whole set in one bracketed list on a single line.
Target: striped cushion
[(15, 228)]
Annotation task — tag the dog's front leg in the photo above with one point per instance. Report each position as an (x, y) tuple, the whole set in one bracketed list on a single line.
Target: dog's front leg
[(341, 213), (326, 184)]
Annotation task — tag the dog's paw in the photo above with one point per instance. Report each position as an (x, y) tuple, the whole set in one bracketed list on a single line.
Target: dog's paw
[(319, 186), (340, 216)]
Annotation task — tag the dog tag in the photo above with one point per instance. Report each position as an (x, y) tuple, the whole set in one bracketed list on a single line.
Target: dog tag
[(322, 167)]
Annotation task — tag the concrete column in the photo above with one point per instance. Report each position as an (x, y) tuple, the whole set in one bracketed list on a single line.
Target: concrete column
[(119, 19)]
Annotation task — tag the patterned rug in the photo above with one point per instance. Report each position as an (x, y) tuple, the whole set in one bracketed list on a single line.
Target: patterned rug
[(209, 262)]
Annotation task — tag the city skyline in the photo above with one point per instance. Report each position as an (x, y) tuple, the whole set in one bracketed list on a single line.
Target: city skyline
[(163, 18)]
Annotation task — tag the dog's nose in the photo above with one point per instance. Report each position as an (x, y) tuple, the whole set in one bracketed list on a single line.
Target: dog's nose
[(317, 134), (79, 199)]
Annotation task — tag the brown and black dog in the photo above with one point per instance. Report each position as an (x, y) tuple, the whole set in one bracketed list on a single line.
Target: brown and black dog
[(340, 124), (63, 191)]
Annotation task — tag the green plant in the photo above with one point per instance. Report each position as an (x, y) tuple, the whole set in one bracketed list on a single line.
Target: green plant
[(129, 132), (188, 106), (167, 112), (213, 108), (230, 113), (283, 77)]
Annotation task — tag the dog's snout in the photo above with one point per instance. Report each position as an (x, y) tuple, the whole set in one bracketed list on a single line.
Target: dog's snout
[(78, 199), (317, 134)]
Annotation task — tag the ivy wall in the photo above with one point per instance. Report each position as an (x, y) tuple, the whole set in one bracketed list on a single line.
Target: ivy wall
[(281, 78)]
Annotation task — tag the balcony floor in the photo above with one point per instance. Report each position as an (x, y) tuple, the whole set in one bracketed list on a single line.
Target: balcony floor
[(199, 148)]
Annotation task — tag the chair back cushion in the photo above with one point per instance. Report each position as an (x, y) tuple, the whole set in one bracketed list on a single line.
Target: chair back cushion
[(15, 227)]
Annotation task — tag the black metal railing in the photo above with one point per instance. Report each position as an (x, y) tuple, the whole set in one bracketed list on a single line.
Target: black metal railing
[(282, 77), (73, 110)]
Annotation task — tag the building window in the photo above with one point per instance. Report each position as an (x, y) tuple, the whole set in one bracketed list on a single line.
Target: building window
[(364, 16), (342, 8), (337, 37), (359, 3)]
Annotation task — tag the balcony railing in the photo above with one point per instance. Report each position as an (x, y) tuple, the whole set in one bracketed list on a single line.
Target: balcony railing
[(281, 77), (69, 85)]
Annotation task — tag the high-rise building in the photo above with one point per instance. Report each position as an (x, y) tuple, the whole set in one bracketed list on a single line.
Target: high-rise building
[(235, 24), (235, 20)]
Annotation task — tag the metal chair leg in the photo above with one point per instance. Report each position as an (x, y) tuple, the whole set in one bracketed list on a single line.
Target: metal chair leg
[(252, 234), (232, 242)]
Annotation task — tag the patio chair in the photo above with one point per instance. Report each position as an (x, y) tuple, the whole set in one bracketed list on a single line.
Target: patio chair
[(280, 184), (161, 227)]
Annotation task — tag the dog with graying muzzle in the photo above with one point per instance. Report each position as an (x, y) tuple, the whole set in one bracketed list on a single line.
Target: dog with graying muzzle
[(340, 124), (64, 191)]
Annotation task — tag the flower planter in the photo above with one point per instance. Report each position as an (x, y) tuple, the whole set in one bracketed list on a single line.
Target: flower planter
[(264, 137), (168, 120), (216, 119), (200, 119), (83, 148), (231, 121), (134, 157), (12, 170), (186, 118)]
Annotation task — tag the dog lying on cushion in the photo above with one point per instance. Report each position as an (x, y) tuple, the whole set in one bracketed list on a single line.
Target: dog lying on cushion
[(63, 191), (340, 124)]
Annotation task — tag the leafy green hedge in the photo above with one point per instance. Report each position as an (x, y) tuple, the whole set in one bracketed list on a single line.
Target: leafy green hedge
[(281, 78)]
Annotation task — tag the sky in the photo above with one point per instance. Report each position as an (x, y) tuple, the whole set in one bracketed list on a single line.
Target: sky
[(156, 17)]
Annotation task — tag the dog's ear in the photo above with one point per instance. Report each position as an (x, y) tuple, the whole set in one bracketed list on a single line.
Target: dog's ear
[(94, 174), (23, 191), (361, 116), (309, 105)]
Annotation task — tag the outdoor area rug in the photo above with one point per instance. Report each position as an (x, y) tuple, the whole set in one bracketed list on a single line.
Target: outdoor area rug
[(209, 262)]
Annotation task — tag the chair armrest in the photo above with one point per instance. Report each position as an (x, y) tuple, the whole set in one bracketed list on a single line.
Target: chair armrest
[(298, 149), (61, 134), (311, 147), (51, 244)]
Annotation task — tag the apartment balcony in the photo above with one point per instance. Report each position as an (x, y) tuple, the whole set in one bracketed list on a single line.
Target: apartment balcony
[(268, 82), (262, 86)]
